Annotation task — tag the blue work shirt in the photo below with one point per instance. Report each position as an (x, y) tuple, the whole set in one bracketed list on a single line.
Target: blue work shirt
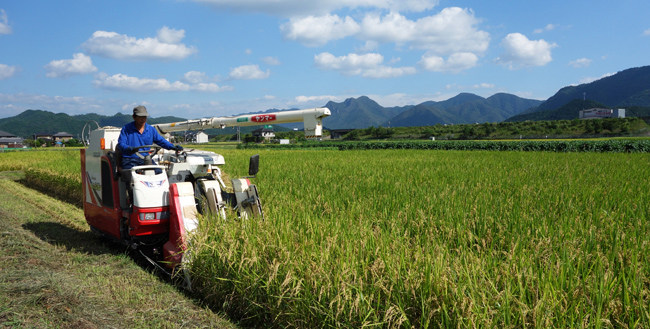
[(130, 136)]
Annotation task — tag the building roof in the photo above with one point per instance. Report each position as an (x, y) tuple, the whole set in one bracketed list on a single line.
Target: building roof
[(11, 140), (62, 134), (194, 133), (6, 134)]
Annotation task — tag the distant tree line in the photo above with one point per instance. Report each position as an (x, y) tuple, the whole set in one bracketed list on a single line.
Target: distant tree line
[(527, 129)]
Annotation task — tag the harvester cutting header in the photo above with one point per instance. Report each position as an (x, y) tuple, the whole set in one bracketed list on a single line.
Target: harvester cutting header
[(152, 207)]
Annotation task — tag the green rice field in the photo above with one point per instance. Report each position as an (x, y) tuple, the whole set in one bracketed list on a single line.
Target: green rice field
[(429, 239)]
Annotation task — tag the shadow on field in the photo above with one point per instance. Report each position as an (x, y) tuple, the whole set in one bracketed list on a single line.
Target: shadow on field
[(71, 239), (93, 244)]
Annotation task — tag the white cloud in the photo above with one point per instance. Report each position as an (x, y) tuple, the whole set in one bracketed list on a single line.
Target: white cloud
[(194, 77), (581, 62), (548, 27), (315, 31), (79, 64), (166, 46), (455, 63), (248, 72), (366, 65), (4, 23), (588, 79), (288, 8), (310, 99), (520, 52), (646, 32), (124, 82), (209, 87), (271, 61), (170, 36), (452, 30), (7, 71)]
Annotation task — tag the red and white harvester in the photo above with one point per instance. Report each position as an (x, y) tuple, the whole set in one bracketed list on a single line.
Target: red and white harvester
[(154, 208)]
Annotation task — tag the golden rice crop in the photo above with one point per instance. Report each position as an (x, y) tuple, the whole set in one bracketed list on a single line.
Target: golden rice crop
[(426, 239)]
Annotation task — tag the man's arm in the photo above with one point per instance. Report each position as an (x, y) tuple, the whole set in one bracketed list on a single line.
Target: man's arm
[(160, 141), (122, 141)]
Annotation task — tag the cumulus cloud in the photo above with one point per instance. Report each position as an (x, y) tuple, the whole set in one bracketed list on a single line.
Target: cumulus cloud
[(194, 77), (124, 82), (315, 31), (78, 65), (5, 28), (366, 65), (289, 8), (581, 62), (7, 71), (520, 52), (165, 46), (455, 63), (548, 27), (170, 36), (450, 31), (248, 72)]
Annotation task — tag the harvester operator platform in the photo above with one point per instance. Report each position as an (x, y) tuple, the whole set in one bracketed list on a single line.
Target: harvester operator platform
[(139, 133)]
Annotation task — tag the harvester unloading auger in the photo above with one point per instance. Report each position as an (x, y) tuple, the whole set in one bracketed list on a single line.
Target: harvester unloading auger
[(153, 208)]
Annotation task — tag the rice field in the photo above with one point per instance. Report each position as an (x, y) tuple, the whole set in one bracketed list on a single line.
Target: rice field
[(428, 239), (403, 238)]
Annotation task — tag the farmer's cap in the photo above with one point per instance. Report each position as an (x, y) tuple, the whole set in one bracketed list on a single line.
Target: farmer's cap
[(140, 111)]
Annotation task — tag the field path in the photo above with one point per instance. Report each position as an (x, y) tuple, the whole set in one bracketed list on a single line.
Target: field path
[(55, 273)]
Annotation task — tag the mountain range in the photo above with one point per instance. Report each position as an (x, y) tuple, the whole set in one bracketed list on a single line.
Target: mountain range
[(628, 89), (363, 112)]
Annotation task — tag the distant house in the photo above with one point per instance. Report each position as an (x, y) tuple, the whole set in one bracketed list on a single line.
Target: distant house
[(263, 133), (597, 113), (8, 140), (196, 137), (62, 137), (44, 136)]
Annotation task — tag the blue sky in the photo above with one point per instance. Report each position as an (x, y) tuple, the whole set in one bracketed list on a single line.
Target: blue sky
[(204, 58)]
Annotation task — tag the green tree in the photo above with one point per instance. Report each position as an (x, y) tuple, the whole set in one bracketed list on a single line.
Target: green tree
[(352, 136)]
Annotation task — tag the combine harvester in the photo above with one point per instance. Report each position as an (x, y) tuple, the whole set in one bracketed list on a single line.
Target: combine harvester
[(153, 208)]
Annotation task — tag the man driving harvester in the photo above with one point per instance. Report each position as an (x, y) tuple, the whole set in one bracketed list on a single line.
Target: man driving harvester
[(138, 133)]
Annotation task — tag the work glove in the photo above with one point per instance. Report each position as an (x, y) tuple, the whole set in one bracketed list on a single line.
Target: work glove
[(131, 149), (178, 148)]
